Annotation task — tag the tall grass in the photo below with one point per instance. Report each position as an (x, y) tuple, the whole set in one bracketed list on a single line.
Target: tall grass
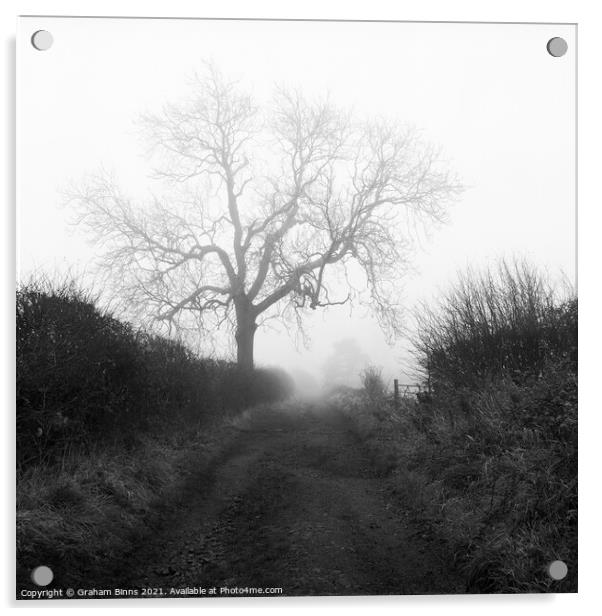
[(488, 463)]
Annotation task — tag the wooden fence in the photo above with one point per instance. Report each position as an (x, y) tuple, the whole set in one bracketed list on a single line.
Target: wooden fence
[(409, 390)]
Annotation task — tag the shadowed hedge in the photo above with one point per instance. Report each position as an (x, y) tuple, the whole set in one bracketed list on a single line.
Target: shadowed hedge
[(85, 376)]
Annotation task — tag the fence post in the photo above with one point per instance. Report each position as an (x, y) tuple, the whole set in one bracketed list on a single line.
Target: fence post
[(396, 393)]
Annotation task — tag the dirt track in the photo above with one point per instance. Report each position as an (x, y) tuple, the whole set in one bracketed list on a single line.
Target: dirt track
[(294, 504)]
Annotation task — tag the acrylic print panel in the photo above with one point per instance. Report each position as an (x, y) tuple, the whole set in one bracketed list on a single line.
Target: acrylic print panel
[(296, 308)]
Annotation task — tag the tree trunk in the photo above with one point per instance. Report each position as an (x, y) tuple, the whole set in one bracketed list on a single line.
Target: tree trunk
[(245, 335)]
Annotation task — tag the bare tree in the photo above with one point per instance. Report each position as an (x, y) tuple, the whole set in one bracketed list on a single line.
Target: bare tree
[(268, 211)]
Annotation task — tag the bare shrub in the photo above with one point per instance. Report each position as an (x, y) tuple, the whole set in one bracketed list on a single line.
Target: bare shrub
[(509, 320), (373, 383)]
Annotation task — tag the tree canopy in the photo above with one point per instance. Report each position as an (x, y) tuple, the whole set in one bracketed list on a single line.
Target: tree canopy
[(270, 211)]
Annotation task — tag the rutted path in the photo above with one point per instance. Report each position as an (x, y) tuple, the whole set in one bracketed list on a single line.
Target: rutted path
[(294, 504)]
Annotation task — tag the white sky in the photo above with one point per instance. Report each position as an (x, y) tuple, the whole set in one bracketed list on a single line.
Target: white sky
[(501, 108)]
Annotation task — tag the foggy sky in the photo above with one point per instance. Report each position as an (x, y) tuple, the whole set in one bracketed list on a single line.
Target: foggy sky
[(499, 106)]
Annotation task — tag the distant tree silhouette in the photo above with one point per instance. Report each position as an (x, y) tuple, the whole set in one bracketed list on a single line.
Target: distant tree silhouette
[(345, 364)]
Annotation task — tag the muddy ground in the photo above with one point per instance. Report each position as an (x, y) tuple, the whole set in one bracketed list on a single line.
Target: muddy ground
[(294, 503)]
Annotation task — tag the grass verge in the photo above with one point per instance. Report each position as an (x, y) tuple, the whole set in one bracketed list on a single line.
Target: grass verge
[(80, 517)]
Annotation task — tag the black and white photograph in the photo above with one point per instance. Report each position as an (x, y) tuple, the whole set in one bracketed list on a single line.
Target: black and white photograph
[(296, 308)]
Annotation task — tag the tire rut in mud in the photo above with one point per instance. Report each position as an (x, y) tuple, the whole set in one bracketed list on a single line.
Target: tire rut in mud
[(294, 505)]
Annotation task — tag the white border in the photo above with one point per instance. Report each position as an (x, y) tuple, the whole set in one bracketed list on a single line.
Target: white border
[(584, 12)]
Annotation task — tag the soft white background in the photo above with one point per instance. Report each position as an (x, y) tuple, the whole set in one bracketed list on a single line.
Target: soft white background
[(500, 107), (590, 227)]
